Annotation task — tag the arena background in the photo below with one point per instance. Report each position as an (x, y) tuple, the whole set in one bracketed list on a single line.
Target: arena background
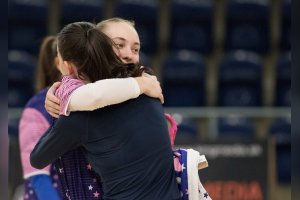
[(224, 66)]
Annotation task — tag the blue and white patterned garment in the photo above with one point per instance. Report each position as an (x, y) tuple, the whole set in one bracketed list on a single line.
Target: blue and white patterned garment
[(186, 168)]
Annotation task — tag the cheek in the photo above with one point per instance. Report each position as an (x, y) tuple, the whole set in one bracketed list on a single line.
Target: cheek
[(136, 58)]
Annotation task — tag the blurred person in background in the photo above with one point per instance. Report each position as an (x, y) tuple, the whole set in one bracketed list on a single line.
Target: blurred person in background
[(43, 183)]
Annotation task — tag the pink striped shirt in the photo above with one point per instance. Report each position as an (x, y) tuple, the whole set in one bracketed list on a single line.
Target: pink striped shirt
[(67, 86), (31, 128)]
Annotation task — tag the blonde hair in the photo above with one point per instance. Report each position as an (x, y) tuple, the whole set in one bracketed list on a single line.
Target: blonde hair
[(102, 25)]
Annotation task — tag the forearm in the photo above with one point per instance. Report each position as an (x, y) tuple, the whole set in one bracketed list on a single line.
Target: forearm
[(66, 134), (103, 93), (42, 154)]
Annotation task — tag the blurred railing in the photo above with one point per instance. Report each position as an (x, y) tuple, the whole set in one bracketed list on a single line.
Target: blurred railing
[(213, 113), (210, 113)]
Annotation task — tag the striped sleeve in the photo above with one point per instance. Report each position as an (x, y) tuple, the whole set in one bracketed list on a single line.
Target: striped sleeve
[(66, 88), (31, 127)]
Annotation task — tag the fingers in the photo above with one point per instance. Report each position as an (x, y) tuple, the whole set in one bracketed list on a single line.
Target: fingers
[(153, 77), (159, 91), (52, 112), (150, 76), (52, 102), (52, 108), (161, 98), (55, 85), (152, 87), (51, 99), (146, 75)]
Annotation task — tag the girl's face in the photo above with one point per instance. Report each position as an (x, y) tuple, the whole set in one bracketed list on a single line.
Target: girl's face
[(126, 39)]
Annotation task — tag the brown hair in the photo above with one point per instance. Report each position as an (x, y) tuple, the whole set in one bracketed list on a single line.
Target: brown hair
[(47, 73), (92, 53)]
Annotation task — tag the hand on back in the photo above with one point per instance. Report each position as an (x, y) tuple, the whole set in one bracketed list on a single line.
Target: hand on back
[(150, 86), (52, 102)]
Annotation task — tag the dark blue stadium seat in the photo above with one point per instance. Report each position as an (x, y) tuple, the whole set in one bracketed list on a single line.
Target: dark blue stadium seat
[(21, 67), (187, 129), (183, 79), (145, 60), (145, 14), (234, 127), (280, 130), (81, 10), (27, 24), (285, 40), (240, 75), (191, 25), (247, 25), (283, 81)]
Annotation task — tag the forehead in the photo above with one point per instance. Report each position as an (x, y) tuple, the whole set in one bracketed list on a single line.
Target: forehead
[(121, 30)]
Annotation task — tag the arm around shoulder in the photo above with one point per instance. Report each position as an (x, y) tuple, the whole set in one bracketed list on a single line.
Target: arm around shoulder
[(103, 93)]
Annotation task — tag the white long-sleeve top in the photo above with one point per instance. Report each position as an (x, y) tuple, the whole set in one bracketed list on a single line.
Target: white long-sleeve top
[(74, 95)]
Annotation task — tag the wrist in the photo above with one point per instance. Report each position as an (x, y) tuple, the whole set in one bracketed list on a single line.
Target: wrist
[(140, 81)]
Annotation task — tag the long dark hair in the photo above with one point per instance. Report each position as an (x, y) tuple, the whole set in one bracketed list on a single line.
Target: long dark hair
[(92, 53), (47, 72)]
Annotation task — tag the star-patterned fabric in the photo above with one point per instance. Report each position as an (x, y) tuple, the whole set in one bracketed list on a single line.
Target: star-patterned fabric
[(180, 165), (29, 193), (79, 180)]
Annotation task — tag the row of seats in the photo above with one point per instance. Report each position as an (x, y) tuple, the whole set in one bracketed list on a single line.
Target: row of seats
[(240, 129), (235, 127), (239, 79), (183, 75), (191, 22)]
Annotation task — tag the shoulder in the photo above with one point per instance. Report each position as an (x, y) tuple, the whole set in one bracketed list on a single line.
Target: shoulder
[(68, 81), (68, 85), (37, 98), (37, 102)]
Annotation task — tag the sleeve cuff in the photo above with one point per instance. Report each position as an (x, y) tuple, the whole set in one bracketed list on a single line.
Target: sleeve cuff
[(136, 87)]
